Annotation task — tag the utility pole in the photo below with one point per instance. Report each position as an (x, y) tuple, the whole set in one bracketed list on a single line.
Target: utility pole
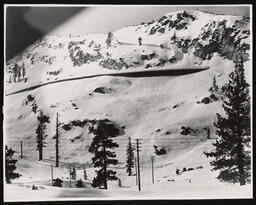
[(138, 159), (135, 162), (52, 173), (75, 174), (152, 160), (21, 150), (70, 176), (57, 142)]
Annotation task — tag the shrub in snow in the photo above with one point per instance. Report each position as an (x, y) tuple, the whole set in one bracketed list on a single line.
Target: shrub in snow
[(159, 151), (119, 182), (199, 167), (34, 187), (57, 182), (10, 165), (172, 59), (102, 90), (79, 183), (206, 100), (213, 97), (140, 41), (186, 130)]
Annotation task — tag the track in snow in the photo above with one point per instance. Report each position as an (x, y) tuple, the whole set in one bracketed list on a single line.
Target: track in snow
[(138, 74)]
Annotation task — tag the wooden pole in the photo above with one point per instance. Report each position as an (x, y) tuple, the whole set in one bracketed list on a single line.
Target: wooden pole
[(152, 159), (21, 150), (138, 159), (52, 173), (57, 143), (70, 177), (135, 162)]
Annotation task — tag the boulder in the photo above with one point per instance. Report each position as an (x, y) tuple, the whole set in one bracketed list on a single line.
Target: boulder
[(151, 63), (212, 96), (186, 130), (206, 100)]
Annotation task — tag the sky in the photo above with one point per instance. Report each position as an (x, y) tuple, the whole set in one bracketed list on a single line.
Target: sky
[(24, 25), (110, 18)]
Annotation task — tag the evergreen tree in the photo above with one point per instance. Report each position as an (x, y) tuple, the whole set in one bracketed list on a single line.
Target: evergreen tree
[(130, 158), (109, 39), (101, 144), (10, 165), (79, 183), (232, 157), (214, 87), (140, 41), (40, 133), (119, 182), (85, 175)]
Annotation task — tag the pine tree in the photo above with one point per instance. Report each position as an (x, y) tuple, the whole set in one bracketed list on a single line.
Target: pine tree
[(140, 41), (79, 183), (214, 87), (119, 182), (85, 175), (10, 165), (40, 131), (130, 158), (101, 144), (109, 39), (232, 157)]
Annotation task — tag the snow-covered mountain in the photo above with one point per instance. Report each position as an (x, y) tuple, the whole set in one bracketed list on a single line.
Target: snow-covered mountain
[(171, 112)]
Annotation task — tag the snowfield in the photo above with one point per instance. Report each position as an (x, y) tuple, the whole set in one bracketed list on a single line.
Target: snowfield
[(153, 109)]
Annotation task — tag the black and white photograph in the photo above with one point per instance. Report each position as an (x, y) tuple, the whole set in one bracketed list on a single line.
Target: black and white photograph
[(127, 102)]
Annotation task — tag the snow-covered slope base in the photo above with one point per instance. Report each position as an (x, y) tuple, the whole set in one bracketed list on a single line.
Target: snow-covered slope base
[(170, 112)]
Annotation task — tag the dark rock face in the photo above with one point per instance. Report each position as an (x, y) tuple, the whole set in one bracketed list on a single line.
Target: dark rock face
[(159, 151), (32, 101), (181, 22), (148, 56), (212, 96), (78, 57), (222, 39), (113, 64), (186, 130), (206, 100), (102, 90), (90, 123), (30, 98), (175, 106)]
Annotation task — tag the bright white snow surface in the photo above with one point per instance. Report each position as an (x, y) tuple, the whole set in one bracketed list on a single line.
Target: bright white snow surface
[(152, 109)]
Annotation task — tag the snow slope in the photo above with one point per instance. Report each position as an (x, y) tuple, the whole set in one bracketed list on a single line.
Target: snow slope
[(153, 109)]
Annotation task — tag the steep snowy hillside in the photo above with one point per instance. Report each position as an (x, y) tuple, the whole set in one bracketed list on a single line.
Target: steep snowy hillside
[(170, 112), (179, 39)]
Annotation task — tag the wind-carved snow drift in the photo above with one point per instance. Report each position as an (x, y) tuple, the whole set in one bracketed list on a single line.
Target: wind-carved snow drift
[(155, 109)]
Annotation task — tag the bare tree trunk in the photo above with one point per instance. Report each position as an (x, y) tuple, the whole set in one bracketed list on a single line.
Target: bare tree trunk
[(105, 168), (240, 164)]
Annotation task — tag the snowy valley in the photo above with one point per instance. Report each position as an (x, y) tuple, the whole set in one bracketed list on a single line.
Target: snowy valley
[(175, 113)]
